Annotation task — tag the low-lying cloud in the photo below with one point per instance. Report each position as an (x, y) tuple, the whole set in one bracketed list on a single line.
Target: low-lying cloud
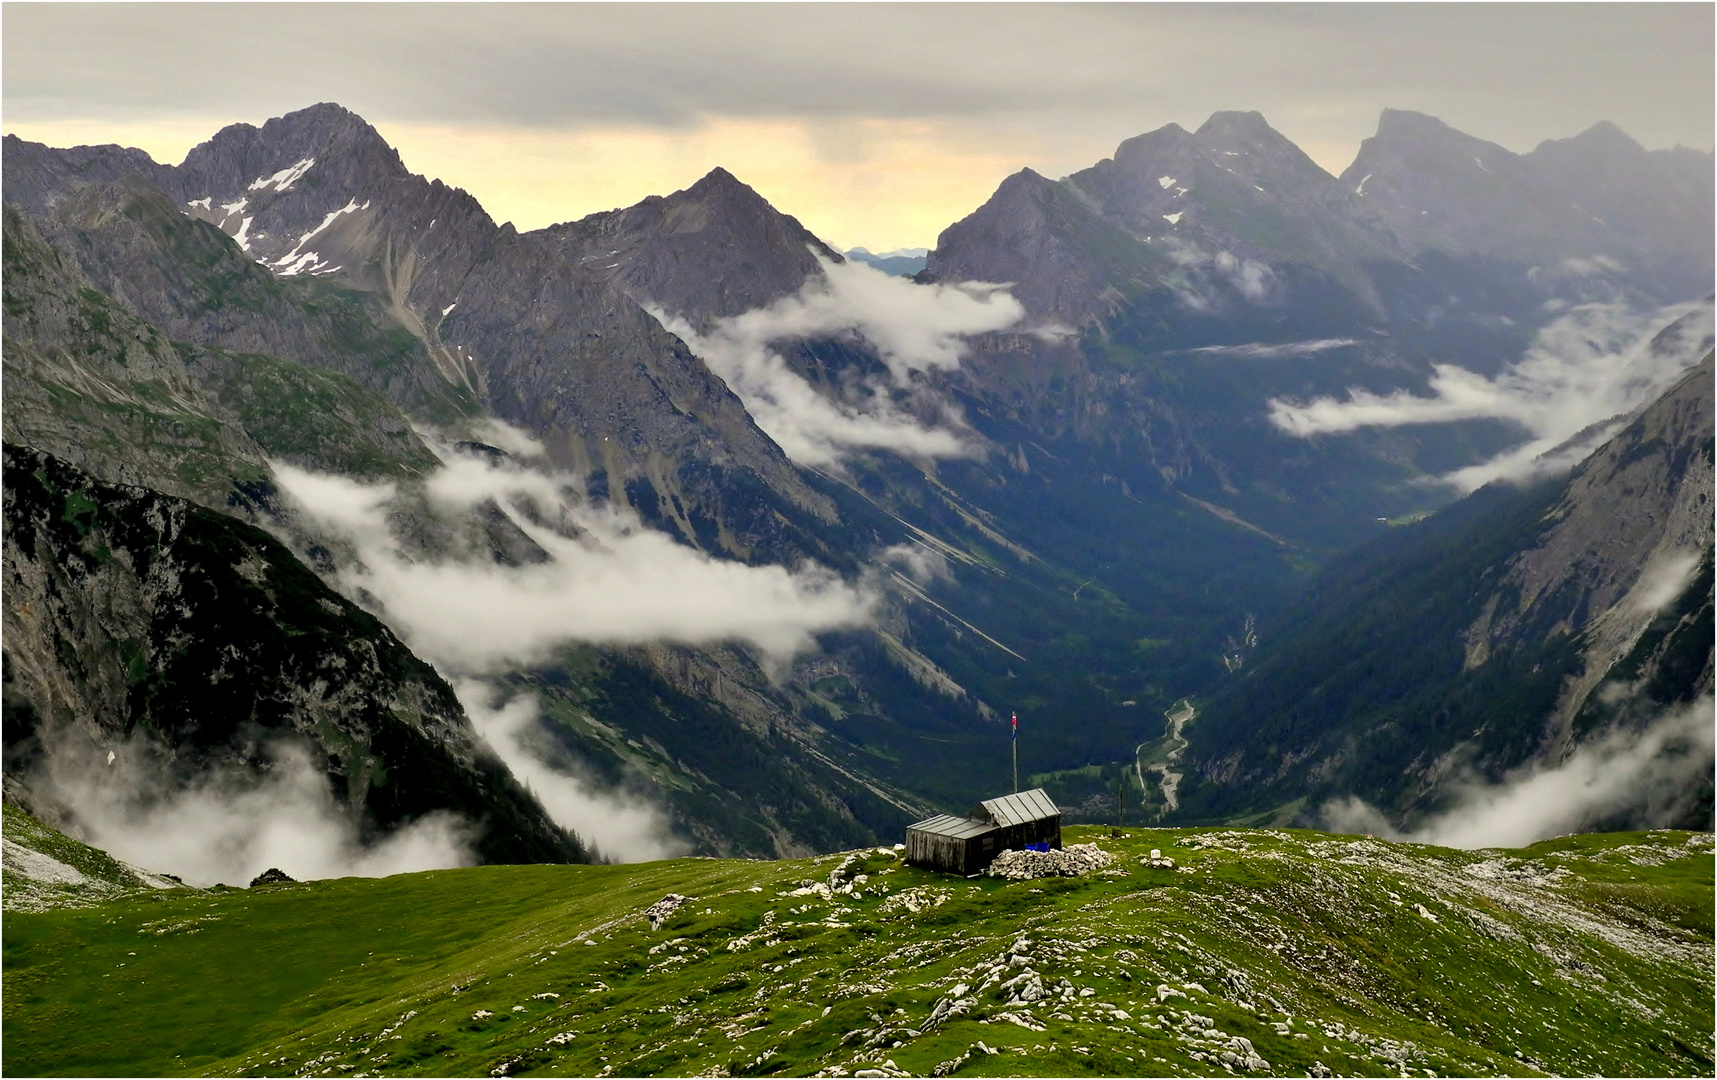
[(607, 578), (1646, 776), (1595, 363), (913, 329), (1207, 280), (1260, 351), (229, 824), (1665, 579), (622, 828)]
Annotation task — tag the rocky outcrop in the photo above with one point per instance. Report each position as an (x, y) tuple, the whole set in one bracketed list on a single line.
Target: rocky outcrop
[(1070, 861)]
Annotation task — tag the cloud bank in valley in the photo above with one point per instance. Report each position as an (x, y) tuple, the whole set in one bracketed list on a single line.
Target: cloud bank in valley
[(913, 329), (1649, 775), (1595, 363), (607, 579), (230, 825)]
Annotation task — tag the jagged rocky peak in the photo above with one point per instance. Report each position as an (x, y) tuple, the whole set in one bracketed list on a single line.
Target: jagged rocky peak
[(1413, 143), (712, 250), (1011, 222), (1602, 138), (1236, 126), (294, 179), (1032, 234), (1240, 143), (337, 142)]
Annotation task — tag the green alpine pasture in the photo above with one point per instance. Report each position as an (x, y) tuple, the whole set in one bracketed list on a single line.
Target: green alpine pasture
[(1261, 952)]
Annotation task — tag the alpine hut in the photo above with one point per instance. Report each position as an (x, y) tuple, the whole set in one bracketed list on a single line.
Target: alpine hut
[(966, 845)]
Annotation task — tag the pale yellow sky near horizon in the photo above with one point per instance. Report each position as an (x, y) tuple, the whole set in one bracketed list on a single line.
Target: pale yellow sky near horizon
[(879, 183), (900, 184)]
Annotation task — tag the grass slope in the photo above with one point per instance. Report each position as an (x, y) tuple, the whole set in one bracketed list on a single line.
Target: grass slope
[(46, 870), (1264, 952)]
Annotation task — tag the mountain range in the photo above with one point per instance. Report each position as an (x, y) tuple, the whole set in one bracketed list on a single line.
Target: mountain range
[(1057, 472)]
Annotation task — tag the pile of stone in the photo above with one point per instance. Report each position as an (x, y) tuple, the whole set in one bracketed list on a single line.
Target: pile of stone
[(1070, 861), (658, 912), (1158, 860)]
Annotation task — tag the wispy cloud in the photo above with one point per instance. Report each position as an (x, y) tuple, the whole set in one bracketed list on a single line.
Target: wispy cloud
[(1273, 352), (1594, 363), (608, 579), (624, 828), (1646, 774), (1662, 581), (1207, 280), (912, 328)]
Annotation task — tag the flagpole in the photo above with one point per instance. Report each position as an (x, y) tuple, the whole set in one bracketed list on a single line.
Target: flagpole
[(1015, 741)]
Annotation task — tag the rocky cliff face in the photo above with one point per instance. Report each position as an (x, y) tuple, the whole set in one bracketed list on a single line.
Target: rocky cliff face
[(132, 616), (88, 380), (1627, 538)]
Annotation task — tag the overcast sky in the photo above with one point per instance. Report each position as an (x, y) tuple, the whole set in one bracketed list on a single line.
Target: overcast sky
[(875, 124)]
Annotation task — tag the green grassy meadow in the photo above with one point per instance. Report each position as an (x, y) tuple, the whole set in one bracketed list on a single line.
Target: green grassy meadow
[(1261, 953)]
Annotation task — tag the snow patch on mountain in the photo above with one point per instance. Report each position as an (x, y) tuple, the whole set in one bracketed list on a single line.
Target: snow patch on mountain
[(297, 261), (285, 178)]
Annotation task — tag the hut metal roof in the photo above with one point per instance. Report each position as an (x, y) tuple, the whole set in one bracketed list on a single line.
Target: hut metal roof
[(1033, 805), (960, 828)]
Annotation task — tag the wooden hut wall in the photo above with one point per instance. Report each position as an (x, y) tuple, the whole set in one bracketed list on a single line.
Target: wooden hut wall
[(936, 851)]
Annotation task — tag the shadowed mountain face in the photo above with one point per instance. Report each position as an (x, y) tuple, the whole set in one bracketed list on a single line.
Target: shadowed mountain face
[(1507, 629), (1208, 274), (136, 618)]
